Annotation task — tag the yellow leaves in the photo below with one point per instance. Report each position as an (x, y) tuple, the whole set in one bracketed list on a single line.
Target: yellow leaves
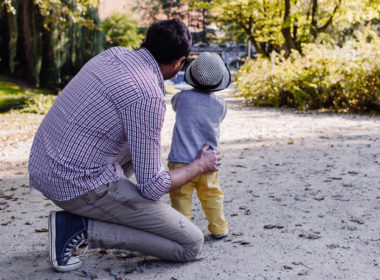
[(344, 78)]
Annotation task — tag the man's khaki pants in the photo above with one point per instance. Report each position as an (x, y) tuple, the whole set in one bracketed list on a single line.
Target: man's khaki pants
[(121, 218)]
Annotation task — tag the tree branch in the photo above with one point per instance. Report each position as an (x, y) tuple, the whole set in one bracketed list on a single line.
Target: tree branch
[(329, 21)]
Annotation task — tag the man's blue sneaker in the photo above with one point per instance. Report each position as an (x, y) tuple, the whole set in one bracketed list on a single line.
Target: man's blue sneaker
[(67, 232)]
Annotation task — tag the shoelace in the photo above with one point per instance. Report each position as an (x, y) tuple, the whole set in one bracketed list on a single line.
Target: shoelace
[(74, 244)]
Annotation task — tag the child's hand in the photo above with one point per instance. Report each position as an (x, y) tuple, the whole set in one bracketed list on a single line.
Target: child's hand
[(209, 160)]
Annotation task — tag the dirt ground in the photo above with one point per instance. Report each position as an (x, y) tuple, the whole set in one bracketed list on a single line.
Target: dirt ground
[(302, 196)]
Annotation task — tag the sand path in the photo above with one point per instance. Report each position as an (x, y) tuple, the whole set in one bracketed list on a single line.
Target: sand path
[(302, 196)]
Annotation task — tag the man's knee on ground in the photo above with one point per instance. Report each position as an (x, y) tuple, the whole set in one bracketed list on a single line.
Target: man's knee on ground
[(193, 248)]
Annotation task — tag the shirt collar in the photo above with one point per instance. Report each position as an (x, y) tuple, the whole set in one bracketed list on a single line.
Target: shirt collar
[(148, 57)]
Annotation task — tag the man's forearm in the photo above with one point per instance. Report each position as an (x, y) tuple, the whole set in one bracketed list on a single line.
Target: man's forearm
[(185, 174), (207, 161)]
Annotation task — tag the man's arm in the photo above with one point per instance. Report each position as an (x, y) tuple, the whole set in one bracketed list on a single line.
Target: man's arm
[(144, 121), (207, 161)]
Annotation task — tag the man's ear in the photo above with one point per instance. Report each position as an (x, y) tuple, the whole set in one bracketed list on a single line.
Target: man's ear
[(180, 61)]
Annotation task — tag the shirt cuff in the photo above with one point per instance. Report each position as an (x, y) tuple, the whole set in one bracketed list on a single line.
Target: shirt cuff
[(157, 187)]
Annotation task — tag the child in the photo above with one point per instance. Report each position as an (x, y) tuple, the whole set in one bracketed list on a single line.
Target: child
[(198, 116)]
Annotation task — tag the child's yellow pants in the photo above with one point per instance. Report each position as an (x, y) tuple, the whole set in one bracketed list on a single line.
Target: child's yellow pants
[(209, 194)]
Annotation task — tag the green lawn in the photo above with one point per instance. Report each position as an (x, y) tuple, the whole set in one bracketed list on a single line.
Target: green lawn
[(14, 96)]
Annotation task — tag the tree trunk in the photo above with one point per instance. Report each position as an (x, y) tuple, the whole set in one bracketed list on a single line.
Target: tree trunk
[(314, 24), (48, 71), (259, 47), (28, 40), (13, 36), (286, 31)]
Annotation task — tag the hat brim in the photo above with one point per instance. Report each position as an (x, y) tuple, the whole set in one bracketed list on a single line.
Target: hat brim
[(226, 79)]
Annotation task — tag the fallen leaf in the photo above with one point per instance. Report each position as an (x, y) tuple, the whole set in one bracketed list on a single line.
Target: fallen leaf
[(335, 178), (130, 270), (356, 220), (303, 272), (273, 226), (311, 236)]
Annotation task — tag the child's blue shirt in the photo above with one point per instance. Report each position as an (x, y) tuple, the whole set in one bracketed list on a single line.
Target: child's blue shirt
[(198, 118)]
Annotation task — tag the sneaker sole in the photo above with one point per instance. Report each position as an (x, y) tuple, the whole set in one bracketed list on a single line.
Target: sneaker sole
[(52, 253), (220, 236)]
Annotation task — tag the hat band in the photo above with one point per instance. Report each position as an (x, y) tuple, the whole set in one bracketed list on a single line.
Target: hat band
[(203, 86)]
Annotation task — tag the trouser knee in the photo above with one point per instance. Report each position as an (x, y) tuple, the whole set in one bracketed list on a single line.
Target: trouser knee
[(194, 247)]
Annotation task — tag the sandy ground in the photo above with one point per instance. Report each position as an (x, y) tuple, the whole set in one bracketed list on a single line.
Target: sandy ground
[(302, 196)]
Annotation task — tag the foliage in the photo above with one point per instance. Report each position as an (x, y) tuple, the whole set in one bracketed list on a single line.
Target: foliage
[(38, 104), (121, 30), (342, 79), (192, 13), (152, 9), (47, 41), (13, 96), (169, 88), (287, 24)]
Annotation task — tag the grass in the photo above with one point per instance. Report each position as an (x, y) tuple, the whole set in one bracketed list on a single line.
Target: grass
[(14, 96)]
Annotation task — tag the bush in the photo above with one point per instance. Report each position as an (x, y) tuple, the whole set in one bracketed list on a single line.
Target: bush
[(13, 95), (38, 104), (344, 79), (121, 30)]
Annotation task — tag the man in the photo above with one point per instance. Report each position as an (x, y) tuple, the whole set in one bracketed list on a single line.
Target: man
[(106, 122)]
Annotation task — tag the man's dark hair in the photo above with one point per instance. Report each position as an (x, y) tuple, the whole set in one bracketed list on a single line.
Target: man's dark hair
[(168, 40)]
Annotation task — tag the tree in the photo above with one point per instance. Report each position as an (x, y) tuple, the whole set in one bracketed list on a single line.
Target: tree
[(46, 41), (121, 30), (58, 11), (284, 24), (202, 20), (196, 17), (154, 9)]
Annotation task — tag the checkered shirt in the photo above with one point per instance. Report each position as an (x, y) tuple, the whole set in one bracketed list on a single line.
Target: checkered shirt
[(115, 102)]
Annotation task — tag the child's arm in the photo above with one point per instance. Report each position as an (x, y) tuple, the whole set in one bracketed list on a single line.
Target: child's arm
[(224, 104), (174, 101)]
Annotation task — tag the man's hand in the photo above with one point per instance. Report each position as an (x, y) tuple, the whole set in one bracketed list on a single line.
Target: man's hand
[(206, 161), (209, 160)]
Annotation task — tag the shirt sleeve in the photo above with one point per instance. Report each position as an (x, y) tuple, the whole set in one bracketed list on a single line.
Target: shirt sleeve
[(224, 110), (174, 101), (144, 120)]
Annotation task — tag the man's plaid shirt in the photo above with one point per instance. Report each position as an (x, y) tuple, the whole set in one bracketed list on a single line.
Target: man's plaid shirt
[(115, 102)]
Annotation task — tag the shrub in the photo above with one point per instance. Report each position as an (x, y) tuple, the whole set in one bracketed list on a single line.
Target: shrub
[(344, 79), (13, 95), (121, 30), (38, 104)]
